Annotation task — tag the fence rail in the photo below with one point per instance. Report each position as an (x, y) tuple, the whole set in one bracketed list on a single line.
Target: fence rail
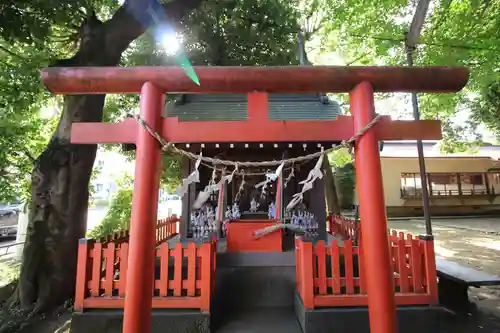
[(165, 228), (333, 275), (184, 276), (5, 248), (347, 227)]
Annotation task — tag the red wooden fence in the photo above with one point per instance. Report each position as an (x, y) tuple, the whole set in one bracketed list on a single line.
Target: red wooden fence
[(165, 228), (348, 228), (333, 275), (184, 276)]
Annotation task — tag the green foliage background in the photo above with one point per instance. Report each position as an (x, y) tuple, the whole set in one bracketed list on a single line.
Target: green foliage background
[(33, 34), (118, 215)]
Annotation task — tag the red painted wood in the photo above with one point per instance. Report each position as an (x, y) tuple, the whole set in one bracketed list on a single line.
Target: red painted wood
[(380, 285), (307, 275), (416, 267), (191, 274), (207, 253), (287, 79), (320, 250), (178, 255), (335, 258), (240, 237), (84, 247), (157, 303), (348, 266), (140, 277), (362, 300), (430, 270), (123, 253), (122, 132), (258, 106), (361, 267), (200, 283), (298, 265), (402, 266), (256, 131), (164, 258), (95, 283), (110, 269)]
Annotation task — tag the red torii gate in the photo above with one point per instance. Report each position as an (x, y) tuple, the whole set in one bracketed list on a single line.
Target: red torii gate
[(153, 82)]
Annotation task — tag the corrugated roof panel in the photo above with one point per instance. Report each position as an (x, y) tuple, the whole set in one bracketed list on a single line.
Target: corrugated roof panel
[(314, 110), (192, 98), (293, 97), (209, 111), (234, 107)]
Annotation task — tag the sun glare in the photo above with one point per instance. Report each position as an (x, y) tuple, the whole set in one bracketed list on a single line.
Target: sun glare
[(170, 43)]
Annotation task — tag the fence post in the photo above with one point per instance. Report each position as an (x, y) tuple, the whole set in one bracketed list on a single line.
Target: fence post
[(206, 253), (84, 245), (430, 267), (306, 274)]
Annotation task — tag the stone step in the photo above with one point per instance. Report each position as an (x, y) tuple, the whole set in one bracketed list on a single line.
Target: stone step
[(256, 259), (252, 287), (261, 320)]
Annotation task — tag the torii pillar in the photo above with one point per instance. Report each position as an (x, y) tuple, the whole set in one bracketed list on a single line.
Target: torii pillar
[(141, 260), (380, 285)]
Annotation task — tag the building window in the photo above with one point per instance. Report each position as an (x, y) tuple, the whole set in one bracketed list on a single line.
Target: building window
[(494, 178), (444, 184), (99, 187), (450, 184), (411, 185)]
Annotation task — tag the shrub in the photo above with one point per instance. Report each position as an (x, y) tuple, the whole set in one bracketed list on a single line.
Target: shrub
[(118, 216)]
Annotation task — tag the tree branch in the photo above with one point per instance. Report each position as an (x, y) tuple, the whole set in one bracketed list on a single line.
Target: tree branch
[(15, 55), (124, 27)]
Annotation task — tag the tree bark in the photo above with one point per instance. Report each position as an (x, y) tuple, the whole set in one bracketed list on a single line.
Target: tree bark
[(332, 200), (61, 175)]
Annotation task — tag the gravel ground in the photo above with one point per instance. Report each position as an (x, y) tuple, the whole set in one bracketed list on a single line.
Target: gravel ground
[(474, 243)]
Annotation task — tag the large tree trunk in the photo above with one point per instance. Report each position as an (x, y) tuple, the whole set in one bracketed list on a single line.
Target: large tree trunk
[(332, 200), (62, 172), (58, 213)]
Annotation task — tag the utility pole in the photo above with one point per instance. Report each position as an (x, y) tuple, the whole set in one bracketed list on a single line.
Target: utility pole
[(411, 39)]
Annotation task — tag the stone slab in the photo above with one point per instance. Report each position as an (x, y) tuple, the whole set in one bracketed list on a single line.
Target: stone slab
[(466, 275), (162, 321), (411, 319)]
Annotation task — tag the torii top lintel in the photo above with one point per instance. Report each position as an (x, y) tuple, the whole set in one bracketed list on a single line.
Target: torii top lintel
[(257, 82), (287, 79)]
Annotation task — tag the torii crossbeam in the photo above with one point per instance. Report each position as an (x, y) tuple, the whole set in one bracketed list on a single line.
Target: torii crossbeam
[(153, 82)]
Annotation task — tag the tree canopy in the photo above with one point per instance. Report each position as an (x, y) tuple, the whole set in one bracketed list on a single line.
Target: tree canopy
[(456, 33), (102, 33), (34, 34)]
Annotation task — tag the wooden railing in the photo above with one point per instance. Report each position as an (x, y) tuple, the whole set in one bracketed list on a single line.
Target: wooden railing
[(165, 229), (333, 275), (184, 275), (347, 227)]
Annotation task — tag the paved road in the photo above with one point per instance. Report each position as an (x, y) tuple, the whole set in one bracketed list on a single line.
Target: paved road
[(473, 243), (94, 216)]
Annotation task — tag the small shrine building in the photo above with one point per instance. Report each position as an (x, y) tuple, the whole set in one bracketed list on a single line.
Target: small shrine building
[(235, 107)]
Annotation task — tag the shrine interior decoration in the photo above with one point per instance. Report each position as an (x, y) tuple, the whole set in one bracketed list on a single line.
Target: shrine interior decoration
[(204, 219)]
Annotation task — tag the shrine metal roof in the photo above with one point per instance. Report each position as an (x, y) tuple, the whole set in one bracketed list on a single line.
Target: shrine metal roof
[(233, 107)]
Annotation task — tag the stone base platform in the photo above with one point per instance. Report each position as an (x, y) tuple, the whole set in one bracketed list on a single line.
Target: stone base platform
[(411, 319), (162, 321)]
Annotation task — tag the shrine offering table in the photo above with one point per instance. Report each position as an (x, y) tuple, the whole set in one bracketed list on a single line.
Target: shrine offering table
[(240, 236)]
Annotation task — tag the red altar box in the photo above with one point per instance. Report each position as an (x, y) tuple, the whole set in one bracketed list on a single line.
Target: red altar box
[(241, 237)]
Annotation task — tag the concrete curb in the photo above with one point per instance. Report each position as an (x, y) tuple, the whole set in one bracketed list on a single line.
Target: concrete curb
[(468, 228), (455, 217)]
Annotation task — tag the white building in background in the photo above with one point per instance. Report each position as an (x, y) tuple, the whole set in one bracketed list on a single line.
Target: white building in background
[(112, 167)]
